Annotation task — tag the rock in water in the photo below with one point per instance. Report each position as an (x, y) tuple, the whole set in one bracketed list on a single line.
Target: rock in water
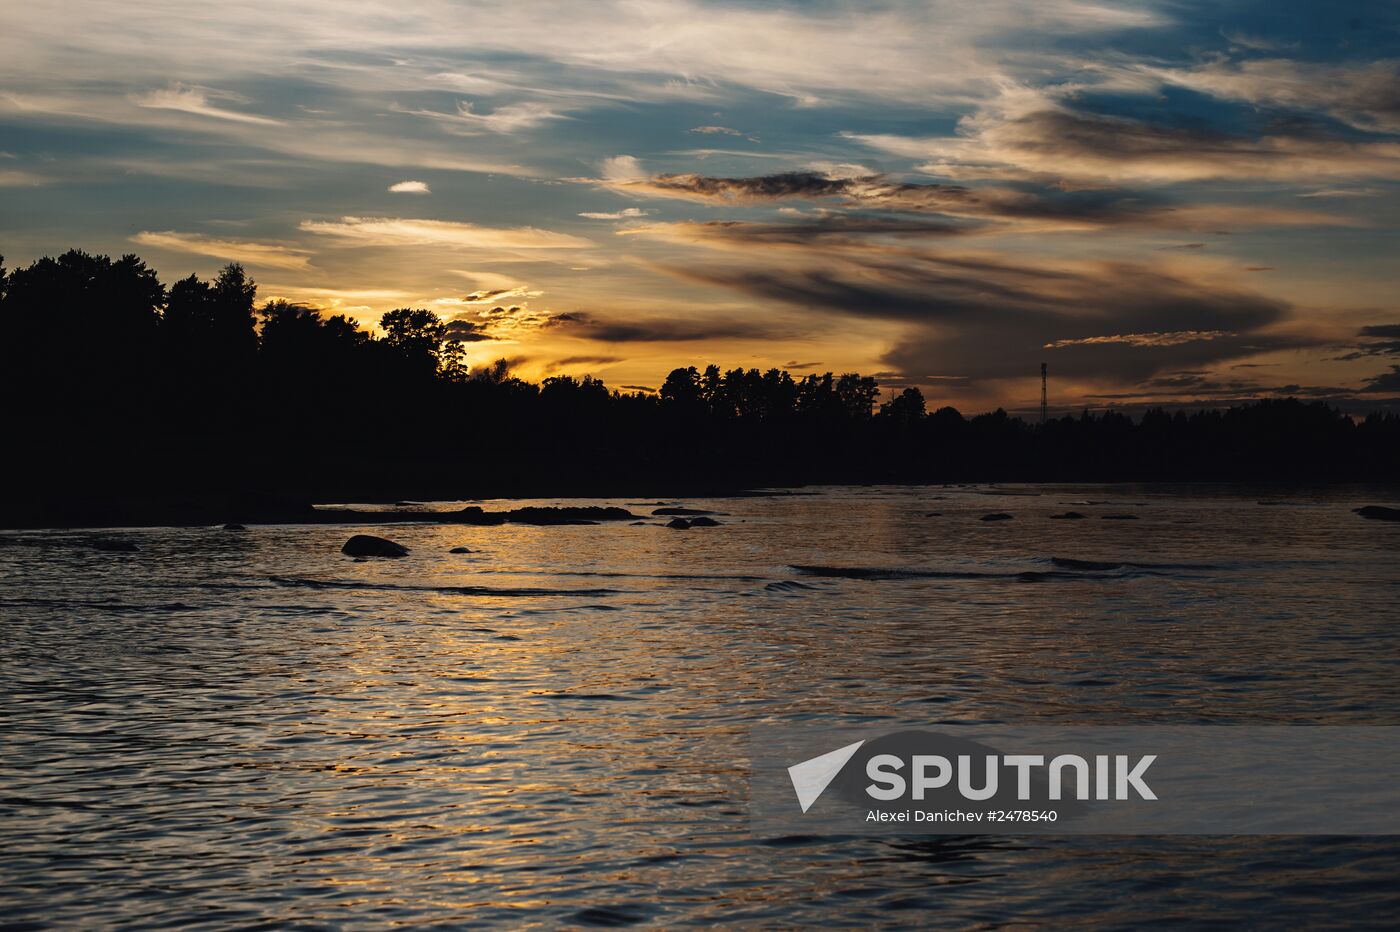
[(668, 512), (234, 527), (1069, 516), (114, 546), (703, 521), (590, 514), (544, 516), (367, 545), (678, 524), (475, 514), (1378, 513), (459, 550), (997, 516), (1120, 517)]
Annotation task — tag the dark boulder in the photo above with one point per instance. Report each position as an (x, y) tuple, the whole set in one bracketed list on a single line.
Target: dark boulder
[(234, 527), (1378, 513), (114, 546), (367, 545), (678, 524), (703, 521), (1068, 516), (997, 516), (459, 550)]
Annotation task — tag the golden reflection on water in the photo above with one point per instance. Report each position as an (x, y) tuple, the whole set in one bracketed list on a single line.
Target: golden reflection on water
[(553, 728)]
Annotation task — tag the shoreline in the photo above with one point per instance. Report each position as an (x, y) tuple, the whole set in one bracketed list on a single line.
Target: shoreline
[(93, 513)]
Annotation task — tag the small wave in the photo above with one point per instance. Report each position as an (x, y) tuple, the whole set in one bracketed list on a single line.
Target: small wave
[(611, 916), (881, 572), (525, 591), (597, 697), (1064, 568), (117, 607), (788, 585), (617, 574), (1071, 563)]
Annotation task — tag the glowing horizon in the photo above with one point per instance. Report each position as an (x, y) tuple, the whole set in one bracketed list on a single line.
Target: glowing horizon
[(1164, 202)]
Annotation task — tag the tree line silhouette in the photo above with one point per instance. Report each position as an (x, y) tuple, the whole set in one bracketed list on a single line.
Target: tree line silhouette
[(121, 388)]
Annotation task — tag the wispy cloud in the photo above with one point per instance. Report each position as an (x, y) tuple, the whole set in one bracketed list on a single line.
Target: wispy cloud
[(619, 169), (506, 119), (1256, 42), (611, 329), (376, 231), (1343, 192), (14, 178), (984, 316), (250, 253), (1095, 149), (1027, 208), (1171, 338), (627, 213), (1363, 94), (200, 101)]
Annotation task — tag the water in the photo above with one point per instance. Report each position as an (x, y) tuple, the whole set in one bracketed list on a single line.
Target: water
[(252, 729)]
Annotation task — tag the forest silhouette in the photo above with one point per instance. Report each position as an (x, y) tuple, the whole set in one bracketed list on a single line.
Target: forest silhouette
[(121, 390)]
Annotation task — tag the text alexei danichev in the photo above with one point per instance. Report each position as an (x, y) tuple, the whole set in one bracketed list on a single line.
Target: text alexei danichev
[(960, 815)]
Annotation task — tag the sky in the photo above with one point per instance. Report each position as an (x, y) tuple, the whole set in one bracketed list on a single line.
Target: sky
[(1166, 202)]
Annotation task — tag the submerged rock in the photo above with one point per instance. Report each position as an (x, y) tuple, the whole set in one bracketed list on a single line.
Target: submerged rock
[(933, 514), (234, 527), (703, 521), (112, 545), (459, 550), (1068, 516), (678, 524), (1378, 513), (664, 512), (997, 516), (1120, 517), (367, 545)]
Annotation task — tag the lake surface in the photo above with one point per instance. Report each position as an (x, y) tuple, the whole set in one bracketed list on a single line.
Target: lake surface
[(250, 728)]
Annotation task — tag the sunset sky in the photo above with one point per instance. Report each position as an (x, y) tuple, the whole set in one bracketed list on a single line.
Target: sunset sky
[(1163, 201)]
